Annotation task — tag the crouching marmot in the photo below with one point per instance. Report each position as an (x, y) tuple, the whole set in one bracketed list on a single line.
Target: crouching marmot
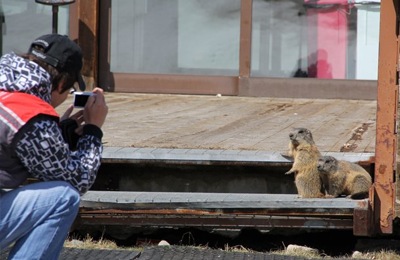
[(344, 178), (305, 155)]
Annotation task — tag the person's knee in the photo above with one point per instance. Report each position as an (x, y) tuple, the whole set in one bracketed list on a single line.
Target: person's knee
[(70, 196), (73, 196)]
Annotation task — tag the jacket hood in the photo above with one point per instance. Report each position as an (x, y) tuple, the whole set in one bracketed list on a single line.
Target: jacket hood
[(20, 75)]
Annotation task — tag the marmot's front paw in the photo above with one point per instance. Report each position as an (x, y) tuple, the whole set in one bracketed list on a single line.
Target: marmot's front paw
[(289, 172), (287, 157)]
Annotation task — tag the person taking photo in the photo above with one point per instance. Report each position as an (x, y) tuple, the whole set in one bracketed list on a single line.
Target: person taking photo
[(63, 154)]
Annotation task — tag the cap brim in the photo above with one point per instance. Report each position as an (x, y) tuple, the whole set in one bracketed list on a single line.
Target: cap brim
[(81, 83)]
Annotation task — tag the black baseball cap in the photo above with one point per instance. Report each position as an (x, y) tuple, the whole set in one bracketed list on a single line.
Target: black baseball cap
[(60, 52)]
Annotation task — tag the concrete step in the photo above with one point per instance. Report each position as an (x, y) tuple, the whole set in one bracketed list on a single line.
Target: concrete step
[(212, 156)]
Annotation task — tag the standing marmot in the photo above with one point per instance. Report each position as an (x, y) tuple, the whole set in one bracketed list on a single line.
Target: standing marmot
[(344, 178), (305, 155)]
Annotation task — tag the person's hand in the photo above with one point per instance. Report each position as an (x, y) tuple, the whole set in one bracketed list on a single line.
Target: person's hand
[(78, 117), (96, 109)]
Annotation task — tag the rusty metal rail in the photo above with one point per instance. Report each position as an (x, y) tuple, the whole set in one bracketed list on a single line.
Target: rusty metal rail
[(222, 211)]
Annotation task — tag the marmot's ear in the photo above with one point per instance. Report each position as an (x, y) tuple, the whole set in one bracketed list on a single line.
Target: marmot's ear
[(309, 133)]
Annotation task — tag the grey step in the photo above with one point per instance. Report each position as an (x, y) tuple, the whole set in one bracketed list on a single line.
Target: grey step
[(172, 200), (209, 156)]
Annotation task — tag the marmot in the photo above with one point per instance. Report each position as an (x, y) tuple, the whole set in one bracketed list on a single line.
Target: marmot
[(344, 178), (305, 159)]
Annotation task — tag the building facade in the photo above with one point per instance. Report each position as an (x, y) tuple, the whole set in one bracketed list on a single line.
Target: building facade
[(287, 48)]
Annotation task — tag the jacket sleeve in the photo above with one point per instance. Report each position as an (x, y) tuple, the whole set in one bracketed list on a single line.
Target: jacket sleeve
[(43, 151)]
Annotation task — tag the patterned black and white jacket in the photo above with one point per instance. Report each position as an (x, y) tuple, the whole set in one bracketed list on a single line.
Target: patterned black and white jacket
[(36, 148)]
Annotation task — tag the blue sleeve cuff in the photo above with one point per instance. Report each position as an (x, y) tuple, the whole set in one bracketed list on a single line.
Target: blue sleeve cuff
[(92, 130)]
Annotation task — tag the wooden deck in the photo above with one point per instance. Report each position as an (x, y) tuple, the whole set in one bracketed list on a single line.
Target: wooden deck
[(236, 123)]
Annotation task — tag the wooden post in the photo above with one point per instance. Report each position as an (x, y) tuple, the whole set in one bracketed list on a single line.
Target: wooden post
[(382, 195), (86, 33), (245, 46)]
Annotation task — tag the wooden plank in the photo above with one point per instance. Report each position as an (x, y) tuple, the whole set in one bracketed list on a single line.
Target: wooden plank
[(311, 88), (173, 84)]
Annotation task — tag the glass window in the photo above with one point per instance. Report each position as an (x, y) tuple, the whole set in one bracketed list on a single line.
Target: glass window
[(24, 20), (315, 39), (197, 37)]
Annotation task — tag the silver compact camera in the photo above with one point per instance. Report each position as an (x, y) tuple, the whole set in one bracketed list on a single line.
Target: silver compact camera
[(80, 98)]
